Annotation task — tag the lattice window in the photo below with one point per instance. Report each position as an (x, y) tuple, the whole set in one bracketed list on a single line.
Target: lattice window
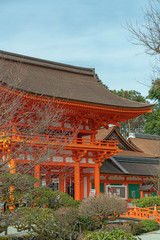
[(117, 190)]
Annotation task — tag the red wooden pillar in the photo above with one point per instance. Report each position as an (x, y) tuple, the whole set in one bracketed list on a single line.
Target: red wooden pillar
[(61, 182), (12, 166), (97, 178), (88, 186), (37, 174), (12, 170), (48, 177), (77, 192), (82, 187)]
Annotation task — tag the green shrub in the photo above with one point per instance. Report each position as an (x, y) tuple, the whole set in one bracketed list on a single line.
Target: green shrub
[(149, 225), (144, 226), (47, 223), (40, 221), (147, 202), (22, 184), (25, 237), (137, 228), (111, 235), (2, 229), (66, 222), (45, 196), (5, 238), (132, 225), (85, 223)]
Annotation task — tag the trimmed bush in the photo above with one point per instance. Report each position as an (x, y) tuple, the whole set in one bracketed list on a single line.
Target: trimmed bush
[(123, 226), (144, 226), (65, 222), (147, 202), (102, 207), (132, 224), (25, 237), (85, 223), (137, 228), (47, 223), (22, 185), (40, 221), (45, 196), (2, 228), (149, 225), (111, 235)]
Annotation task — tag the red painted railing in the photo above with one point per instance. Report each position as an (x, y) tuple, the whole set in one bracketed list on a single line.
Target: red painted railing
[(66, 141), (143, 213)]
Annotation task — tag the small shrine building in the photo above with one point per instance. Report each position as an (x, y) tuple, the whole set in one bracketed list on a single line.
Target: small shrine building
[(131, 174), (87, 107)]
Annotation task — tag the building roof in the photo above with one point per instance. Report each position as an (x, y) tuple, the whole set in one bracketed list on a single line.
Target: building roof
[(108, 167), (128, 147), (135, 154), (104, 133), (148, 146), (144, 136), (130, 166), (112, 133), (132, 160), (64, 81)]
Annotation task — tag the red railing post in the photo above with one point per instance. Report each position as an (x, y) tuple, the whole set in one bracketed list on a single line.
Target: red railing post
[(143, 213), (155, 212)]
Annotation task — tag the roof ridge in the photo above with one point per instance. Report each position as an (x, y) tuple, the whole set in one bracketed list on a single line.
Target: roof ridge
[(136, 159), (46, 63), (144, 136)]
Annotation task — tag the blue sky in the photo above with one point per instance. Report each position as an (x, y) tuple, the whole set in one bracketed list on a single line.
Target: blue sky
[(87, 33)]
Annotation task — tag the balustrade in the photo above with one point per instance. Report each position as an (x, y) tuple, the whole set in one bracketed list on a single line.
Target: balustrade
[(143, 213), (66, 141)]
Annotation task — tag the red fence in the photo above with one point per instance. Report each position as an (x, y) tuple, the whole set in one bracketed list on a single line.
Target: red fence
[(143, 213), (60, 140)]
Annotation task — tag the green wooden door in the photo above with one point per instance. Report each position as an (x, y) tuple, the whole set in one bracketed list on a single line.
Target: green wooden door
[(154, 193), (101, 187), (133, 188)]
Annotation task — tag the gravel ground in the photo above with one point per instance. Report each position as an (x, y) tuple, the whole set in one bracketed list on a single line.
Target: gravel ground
[(151, 236), (12, 231)]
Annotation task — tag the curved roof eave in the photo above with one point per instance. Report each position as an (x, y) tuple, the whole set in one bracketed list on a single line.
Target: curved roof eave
[(65, 82)]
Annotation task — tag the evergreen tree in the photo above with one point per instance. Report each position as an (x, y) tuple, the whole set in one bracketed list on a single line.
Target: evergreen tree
[(152, 123), (133, 125)]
